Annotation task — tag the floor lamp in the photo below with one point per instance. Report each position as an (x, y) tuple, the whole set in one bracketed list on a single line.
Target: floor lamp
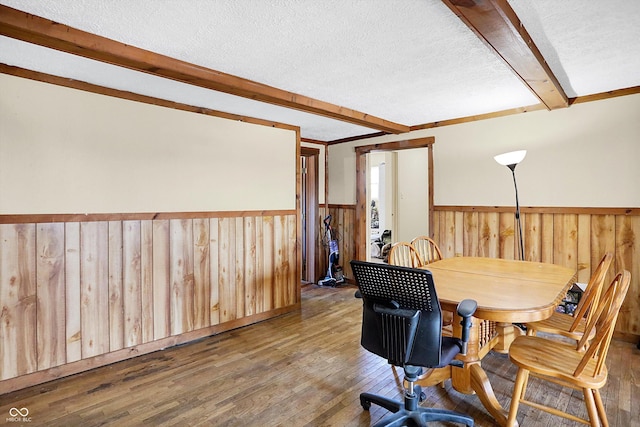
[(511, 160)]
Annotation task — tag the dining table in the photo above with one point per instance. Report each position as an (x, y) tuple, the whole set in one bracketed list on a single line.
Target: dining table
[(509, 293)]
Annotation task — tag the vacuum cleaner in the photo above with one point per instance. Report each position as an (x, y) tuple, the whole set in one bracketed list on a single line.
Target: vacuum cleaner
[(335, 275)]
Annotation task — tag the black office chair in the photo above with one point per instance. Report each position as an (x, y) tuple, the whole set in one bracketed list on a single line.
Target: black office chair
[(402, 322)]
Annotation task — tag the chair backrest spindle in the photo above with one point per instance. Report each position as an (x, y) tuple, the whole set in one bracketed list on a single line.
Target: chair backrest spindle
[(403, 254), (427, 249), (603, 321), (592, 294)]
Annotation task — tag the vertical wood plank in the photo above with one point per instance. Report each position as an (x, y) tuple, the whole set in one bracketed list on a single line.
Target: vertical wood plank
[(249, 265), (51, 335), (488, 232), (94, 282), (436, 233), (584, 248), (227, 292), (132, 283), (181, 272), (146, 277), (627, 256), (565, 240), (116, 290), (260, 262), (201, 274), (294, 273), (238, 255), (214, 260), (442, 233), (548, 234), (18, 347), (290, 255), (279, 261), (532, 231), (161, 280), (349, 239), (470, 234), (507, 236), (603, 240), (72, 292), (447, 239), (459, 230), (232, 268), (269, 256)]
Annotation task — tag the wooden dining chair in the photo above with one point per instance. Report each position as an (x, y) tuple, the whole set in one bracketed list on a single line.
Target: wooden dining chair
[(571, 365), (403, 254), (429, 252), (574, 326), (427, 248)]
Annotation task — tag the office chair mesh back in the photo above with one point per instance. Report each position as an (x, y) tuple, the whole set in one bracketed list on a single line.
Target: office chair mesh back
[(412, 289)]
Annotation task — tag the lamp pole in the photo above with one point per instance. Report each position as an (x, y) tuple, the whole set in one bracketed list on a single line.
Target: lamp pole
[(511, 160), (519, 224)]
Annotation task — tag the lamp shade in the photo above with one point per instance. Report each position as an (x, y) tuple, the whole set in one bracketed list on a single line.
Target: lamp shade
[(511, 158)]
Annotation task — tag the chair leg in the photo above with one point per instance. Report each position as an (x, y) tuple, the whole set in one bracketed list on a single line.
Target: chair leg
[(591, 407), (409, 410), (366, 399), (524, 386), (600, 407), (518, 393)]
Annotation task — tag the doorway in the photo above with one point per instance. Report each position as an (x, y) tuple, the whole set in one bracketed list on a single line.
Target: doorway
[(362, 230), (381, 203), (309, 158)]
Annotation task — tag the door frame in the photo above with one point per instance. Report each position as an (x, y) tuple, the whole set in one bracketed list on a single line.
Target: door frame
[(310, 198), (361, 232)]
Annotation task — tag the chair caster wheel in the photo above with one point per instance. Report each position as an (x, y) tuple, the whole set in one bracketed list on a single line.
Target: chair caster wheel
[(422, 397), (365, 404)]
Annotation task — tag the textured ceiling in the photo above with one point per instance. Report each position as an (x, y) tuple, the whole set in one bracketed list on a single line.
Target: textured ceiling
[(411, 62)]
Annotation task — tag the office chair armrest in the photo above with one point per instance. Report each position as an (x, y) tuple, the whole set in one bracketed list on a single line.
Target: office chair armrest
[(466, 309)]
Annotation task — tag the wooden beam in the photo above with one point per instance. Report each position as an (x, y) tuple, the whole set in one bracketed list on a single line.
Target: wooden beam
[(498, 26), (34, 29), (102, 90)]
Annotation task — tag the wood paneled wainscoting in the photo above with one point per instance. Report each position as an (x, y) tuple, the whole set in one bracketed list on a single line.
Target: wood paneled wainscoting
[(77, 292), (573, 237)]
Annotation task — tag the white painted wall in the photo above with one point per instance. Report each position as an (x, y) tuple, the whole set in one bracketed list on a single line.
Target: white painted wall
[(413, 194), (587, 155), (68, 151)]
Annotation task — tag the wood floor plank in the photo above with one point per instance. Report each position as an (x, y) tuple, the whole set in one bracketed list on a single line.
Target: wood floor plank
[(301, 369)]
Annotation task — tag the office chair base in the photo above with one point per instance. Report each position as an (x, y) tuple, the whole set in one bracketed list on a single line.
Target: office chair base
[(405, 417)]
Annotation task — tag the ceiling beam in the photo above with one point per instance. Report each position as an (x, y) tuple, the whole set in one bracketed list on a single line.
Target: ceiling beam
[(498, 26), (34, 29)]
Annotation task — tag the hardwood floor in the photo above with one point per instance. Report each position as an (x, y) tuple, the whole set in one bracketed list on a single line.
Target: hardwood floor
[(301, 369)]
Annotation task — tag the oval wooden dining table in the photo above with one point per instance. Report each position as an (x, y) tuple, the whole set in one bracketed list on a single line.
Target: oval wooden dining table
[(507, 292)]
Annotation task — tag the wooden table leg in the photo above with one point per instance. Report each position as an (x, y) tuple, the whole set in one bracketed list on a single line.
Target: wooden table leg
[(481, 385), (435, 376), (507, 333), (472, 378)]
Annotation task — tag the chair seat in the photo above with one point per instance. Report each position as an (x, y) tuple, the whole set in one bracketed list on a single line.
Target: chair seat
[(560, 323), (555, 359)]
